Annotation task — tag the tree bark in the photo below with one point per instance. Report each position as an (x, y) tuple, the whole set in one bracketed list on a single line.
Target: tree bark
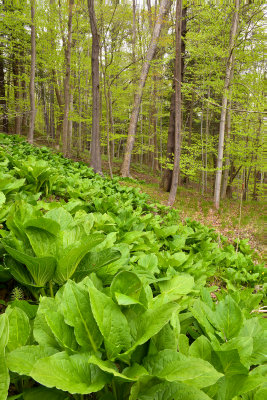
[(32, 77), (3, 104), (95, 142), (217, 190), (164, 8), (65, 141), (167, 173), (178, 103)]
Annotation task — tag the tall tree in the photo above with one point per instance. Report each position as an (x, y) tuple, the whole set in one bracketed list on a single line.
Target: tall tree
[(32, 77), (227, 81), (178, 102), (95, 141), (164, 8), (65, 141)]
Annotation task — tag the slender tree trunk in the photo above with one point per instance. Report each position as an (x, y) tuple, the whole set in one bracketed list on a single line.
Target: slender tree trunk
[(95, 142), (164, 8), (217, 190), (227, 155), (70, 124), (65, 142), (167, 173), (32, 77), (3, 104), (16, 82), (178, 103)]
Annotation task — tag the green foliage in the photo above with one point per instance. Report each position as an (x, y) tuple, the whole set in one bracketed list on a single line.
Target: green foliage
[(123, 304)]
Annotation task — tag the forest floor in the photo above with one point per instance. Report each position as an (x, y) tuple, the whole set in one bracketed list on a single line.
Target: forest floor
[(192, 204)]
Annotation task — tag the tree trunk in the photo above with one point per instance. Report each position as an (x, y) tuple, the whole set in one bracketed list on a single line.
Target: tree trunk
[(65, 142), (95, 142), (32, 77), (167, 173), (227, 155), (178, 103), (3, 105), (217, 190), (164, 8)]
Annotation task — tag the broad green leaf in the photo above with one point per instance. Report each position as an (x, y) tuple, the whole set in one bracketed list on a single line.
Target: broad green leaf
[(201, 348), (19, 328), (227, 318), (19, 271), (62, 332), (228, 362), (61, 216), (126, 288), (43, 393), (244, 346), (22, 359), (129, 374), (2, 199), (146, 324), (69, 373), (149, 263), (154, 389), (111, 322), (68, 263), (77, 312), (177, 286), (41, 331), (183, 344), (93, 261), (166, 338), (174, 366), (29, 309), (4, 374), (44, 224), (41, 268)]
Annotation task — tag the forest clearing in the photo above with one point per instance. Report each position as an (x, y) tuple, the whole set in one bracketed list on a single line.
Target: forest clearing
[(132, 183)]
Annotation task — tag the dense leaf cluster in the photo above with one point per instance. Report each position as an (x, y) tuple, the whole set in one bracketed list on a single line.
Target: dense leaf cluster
[(123, 306)]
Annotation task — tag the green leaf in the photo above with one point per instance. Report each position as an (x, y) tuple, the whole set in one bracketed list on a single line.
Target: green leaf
[(177, 286), (41, 331), (111, 322), (126, 288), (154, 389), (77, 312), (71, 258), (4, 374), (93, 261), (201, 348), (43, 393), (146, 324), (129, 374), (62, 332), (61, 216), (19, 328), (174, 366), (183, 344), (22, 359), (41, 268), (227, 318), (228, 362), (2, 199), (69, 373)]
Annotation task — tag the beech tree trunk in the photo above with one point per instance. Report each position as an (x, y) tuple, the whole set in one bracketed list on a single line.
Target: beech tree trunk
[(95, 142), (65, 141), (32, 77), (164, 8), (178, 103), (227, 80)]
